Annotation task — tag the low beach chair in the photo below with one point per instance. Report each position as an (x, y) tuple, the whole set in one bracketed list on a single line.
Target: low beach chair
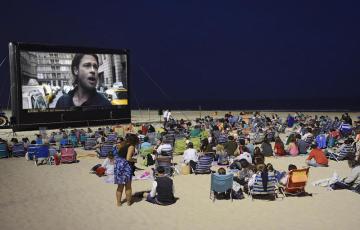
[(90, 143), (105, 148), (68, 154), (152, 137), (4, 152), (32, 150), (73, 140), (83, 138), (204, 164), (220, 183), (41, 155), (18, 150), (167, 153), (296, 183), (259, 192), (112, 137), (169, 138), (321, 141), (165, 162)]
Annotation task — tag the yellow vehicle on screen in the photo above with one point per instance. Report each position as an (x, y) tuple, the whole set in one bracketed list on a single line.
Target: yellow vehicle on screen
[(117, 96)]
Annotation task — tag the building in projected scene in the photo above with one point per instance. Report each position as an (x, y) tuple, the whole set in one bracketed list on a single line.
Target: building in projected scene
[(112, 68), (55, 69)]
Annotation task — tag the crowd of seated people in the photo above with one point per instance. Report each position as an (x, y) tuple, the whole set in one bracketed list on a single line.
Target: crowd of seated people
[(229, 141)]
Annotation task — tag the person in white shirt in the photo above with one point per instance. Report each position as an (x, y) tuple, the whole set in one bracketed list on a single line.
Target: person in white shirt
[(307, 135), (165, 116), (246, 156), (190, 154), (168, 115), (108, 165), (164, 147)]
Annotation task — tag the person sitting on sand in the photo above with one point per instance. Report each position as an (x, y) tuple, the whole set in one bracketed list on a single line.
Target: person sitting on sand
[(316, 157), (302, 145), (190, 156), (244, 155), (222, 155), (259, 158), (284, 179), (164, 147), (352, 182), (279, 149), (345, 150), (266, 148), (292, 148), (163, 189), (243, 176), (278, 174)]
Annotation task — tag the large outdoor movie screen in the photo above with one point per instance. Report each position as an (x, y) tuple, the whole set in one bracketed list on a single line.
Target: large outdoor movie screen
[(55, 81)]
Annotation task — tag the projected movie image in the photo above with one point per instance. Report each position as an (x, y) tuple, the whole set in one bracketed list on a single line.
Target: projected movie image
[(67, 80)]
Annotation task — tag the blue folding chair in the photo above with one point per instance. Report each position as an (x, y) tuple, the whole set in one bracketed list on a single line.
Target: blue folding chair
[(32, 149), (321, 141), (18, 150), (105, 148), (4, 152), (258, 190), (41, 155), (90, 143), (83, 139), (220, 183), (112, 137), (73, 140)]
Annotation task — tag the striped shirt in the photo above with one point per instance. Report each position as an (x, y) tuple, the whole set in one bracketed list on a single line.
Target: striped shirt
[(345, 150)]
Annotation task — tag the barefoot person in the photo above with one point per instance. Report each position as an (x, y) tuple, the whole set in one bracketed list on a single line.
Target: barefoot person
[(124, 169)]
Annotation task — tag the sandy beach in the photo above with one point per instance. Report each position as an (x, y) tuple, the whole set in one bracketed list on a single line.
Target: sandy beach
[(67, 196)]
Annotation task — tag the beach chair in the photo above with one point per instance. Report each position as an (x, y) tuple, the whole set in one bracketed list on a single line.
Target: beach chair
[(73, 140), (169, 138), (309, 139), (331, 142), (258, 138), (180, 146), (166, 163), (332, 155), (295, 185), (257, 191), (83, 138), (41, 155), (270, 135), (204, 164), (18, 150), (222, 139), (112, 137), (321, 141), (221, 183), (32, 150), (167, 153), (152, 137), (345, 130), (90, 143), (4, 152), (144, 153), (105, 148), (68, 154)]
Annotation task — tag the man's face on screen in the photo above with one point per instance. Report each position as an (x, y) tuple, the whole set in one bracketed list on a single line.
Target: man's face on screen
[(88, 72)]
